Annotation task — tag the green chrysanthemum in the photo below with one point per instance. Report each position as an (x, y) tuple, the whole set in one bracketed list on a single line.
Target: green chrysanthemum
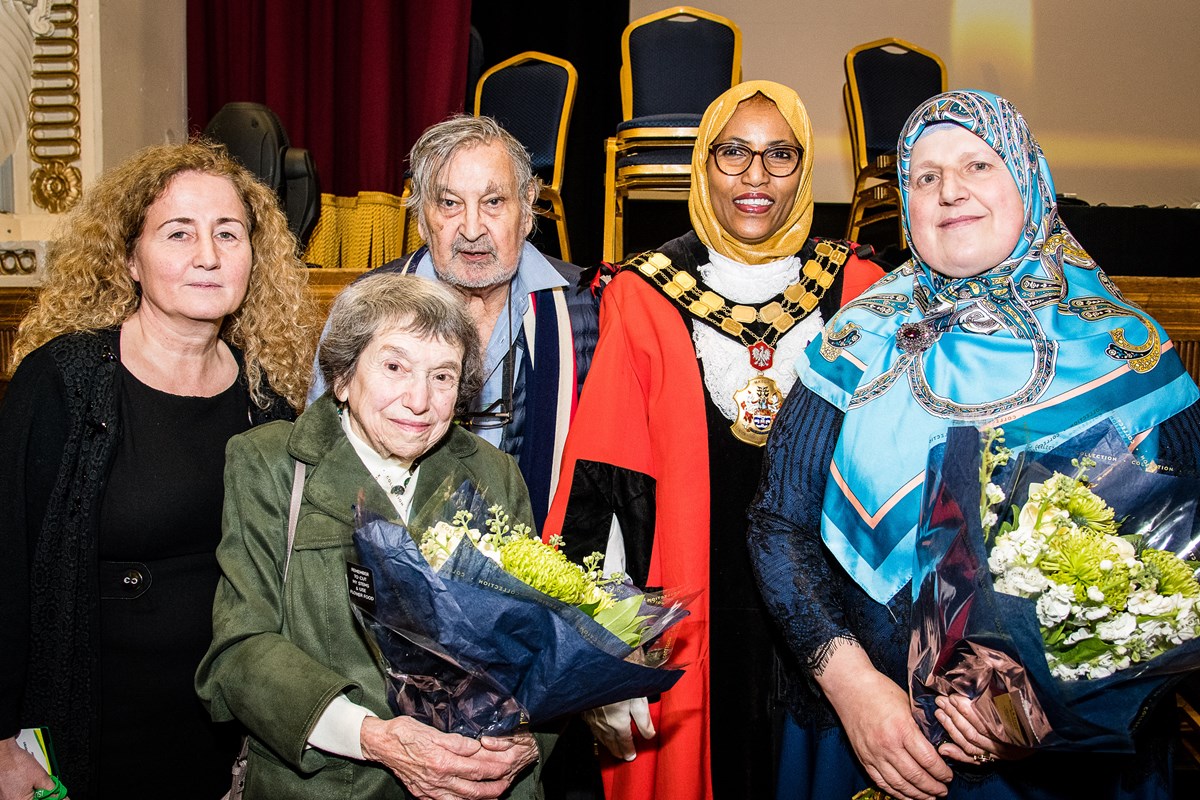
[(1173, 575), (1089, 511), (1079, 558), (544, 568)]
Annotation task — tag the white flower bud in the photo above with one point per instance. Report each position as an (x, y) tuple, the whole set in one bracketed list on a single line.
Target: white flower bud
[(1117, 629)]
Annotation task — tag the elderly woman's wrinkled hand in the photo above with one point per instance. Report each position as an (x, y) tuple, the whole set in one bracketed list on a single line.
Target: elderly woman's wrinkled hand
[(445, 766), (518, 751), (972, 738)]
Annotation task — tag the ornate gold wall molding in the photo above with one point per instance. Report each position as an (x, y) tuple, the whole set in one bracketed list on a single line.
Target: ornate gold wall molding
[(22, 259), (55, 133)]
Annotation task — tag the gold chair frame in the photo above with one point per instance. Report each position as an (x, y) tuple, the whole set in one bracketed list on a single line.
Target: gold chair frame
[(875, 182)]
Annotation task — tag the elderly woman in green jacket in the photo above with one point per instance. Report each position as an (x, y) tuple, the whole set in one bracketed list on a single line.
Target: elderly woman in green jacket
[(288, 659)]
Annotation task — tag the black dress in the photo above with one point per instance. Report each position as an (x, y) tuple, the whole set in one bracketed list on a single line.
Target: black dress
[(160, 523), (744, 645), (748, 659)]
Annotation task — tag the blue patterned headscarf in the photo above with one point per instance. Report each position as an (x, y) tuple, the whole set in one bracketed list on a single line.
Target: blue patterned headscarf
[(1042, 343)]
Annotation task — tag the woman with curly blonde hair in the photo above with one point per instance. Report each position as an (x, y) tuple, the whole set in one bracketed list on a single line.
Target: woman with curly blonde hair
[(89, 285), (174, 316)]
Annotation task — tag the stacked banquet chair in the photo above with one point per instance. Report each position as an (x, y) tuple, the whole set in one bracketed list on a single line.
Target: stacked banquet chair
[(673, 64), (885, 81)]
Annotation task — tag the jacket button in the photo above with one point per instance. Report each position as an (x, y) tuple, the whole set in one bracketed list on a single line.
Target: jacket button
[(133, 578)]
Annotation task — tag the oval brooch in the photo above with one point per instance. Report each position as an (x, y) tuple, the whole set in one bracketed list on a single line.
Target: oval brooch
[(915, 337)]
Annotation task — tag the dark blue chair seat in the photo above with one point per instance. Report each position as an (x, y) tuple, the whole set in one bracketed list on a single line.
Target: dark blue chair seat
[(659, 155), (661, 121)]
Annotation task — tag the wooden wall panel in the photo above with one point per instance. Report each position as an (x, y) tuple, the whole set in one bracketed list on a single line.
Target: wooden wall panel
[(1174, 302)]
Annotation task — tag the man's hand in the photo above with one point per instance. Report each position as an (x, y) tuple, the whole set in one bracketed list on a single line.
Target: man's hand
[(611, 724), (20, 774)]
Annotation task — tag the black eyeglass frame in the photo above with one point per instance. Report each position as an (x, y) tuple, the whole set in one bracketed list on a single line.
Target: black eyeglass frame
[(762, 154), (500, 411), (496, 415)]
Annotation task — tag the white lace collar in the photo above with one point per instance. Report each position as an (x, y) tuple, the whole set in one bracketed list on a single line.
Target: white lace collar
[(749, 283), (725, 361)]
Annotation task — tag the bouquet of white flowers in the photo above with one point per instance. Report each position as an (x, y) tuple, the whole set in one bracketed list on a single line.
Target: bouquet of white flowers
[(1053, 588), (481, 628), (1104, 601)]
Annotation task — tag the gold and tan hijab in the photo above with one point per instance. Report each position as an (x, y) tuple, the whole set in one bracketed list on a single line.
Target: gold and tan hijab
[(793, 234)]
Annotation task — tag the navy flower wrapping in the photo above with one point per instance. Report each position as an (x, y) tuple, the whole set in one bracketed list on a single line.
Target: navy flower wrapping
[(971, 640), (470, 649)]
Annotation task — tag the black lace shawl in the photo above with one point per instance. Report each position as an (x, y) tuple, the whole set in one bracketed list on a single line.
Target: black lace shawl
[(62, 400)]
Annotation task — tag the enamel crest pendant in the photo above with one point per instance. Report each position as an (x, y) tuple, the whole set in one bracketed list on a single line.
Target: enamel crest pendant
[(762, 355), (758, 403)]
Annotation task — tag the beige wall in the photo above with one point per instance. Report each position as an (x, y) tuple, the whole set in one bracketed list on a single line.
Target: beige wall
[(143, 57), (1106, 85)]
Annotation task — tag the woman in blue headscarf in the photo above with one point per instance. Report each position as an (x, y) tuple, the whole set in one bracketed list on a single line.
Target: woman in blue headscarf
[(1000, 315)]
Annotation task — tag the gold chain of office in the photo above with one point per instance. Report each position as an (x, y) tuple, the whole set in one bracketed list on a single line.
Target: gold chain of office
[(736, 319)]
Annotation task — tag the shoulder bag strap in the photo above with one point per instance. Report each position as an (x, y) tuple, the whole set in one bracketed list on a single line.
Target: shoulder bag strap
[(238, 784), (293, 514)]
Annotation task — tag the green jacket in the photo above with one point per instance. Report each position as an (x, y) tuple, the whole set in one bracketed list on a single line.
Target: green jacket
[(280, 653)]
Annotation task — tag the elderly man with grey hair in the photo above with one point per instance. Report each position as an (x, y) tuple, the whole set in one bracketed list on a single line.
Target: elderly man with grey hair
[(473, 189)]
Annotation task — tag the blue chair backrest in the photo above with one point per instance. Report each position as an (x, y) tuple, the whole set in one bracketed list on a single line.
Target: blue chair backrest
[(527, 100), (890, 86), (679, 65)]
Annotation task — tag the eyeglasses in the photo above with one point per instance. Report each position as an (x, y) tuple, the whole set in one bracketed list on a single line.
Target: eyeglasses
[(500, 411), (496, 415), (779, 160)]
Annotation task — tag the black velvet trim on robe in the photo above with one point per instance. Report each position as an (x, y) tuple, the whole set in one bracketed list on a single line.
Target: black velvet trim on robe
[(589, 514)]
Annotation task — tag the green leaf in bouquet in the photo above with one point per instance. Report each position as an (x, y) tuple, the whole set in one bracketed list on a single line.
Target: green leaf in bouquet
[(1054, 636), (591, 609), (622, 620), (1083, 651), (1012, 523)]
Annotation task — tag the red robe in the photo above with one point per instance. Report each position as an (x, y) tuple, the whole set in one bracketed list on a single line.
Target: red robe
[(638, 448)]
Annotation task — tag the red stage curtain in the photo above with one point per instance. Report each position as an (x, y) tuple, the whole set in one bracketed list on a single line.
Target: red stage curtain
[(353, 81)]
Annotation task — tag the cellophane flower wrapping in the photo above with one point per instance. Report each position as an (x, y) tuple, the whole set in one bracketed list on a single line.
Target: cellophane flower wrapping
[(969, 639), (470, 649)]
